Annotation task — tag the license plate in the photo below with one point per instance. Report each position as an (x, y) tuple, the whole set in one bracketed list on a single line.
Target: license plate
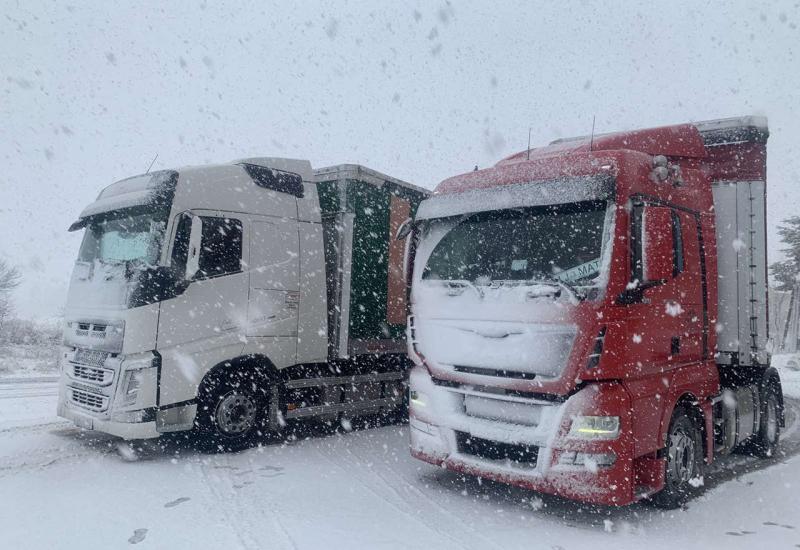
[(84, 422)]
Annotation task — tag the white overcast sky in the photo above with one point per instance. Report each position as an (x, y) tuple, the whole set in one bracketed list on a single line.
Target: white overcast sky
[(420, 90)]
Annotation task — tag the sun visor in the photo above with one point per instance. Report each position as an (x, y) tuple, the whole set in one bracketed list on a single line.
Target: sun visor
[(156, 188), (540, 193)]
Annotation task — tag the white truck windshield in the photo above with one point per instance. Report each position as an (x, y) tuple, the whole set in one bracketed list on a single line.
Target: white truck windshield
[(561, 242), (123, 237)]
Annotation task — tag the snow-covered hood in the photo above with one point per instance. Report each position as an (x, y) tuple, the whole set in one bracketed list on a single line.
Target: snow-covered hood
[(518, 331), (97, 314)]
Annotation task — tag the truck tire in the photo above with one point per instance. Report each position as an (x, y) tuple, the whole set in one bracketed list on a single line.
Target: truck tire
[(684, 461), (231, 412), (766, 441)]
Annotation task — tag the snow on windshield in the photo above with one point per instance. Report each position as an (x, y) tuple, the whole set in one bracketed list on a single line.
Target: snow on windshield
[(123, 238), (562, 242)]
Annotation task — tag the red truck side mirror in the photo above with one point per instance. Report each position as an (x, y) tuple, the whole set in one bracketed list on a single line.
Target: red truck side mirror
[(657, 247)]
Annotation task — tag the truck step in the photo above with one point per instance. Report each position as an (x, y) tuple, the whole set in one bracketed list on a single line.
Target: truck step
[(344, 380), (319, 410)]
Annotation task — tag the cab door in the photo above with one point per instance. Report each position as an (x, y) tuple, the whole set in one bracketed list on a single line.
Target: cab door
[(664, 311), (274, 302), (207, 323), (692, 345)]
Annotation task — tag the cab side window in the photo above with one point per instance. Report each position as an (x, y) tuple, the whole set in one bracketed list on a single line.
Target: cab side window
[(638, 238), (180, 250), (220, 247)]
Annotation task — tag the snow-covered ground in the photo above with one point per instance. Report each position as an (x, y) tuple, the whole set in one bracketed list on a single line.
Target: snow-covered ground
[(28, 361), (63, 488)]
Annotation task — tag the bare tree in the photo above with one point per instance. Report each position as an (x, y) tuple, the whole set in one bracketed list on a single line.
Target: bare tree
[(10, 278)]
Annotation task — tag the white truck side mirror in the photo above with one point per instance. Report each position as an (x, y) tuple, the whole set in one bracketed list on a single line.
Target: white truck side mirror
[(193, 257)]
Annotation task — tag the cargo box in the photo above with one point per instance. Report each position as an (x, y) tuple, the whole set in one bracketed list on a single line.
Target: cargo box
[(361, 212)]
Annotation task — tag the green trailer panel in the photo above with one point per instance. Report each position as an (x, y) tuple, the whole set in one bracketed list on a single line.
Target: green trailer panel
[(359, 208)]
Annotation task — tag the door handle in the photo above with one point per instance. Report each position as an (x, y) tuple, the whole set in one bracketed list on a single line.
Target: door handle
[(675, 345)]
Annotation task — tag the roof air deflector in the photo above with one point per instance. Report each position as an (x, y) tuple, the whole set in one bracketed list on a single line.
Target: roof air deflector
[(274, 179)]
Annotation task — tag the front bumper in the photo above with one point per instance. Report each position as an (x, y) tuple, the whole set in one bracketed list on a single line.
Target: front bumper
[(109, 393), (439, 426), (125, 430)]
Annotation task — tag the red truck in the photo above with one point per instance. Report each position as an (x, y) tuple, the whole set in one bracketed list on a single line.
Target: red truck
[(589, 319)]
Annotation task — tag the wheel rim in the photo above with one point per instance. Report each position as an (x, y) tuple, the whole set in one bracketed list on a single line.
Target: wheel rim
[(682, 456), (772, 419), (235, 414)]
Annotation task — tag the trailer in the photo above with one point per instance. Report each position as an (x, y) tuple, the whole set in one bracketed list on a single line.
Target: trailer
[(227, 300)]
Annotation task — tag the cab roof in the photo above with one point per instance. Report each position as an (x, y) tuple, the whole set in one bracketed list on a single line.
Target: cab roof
[(573, 156)]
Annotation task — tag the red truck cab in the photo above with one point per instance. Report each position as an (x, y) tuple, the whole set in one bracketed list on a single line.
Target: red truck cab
[(589, 319)]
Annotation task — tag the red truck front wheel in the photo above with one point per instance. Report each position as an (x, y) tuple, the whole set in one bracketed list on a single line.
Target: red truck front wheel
[(684, 464)]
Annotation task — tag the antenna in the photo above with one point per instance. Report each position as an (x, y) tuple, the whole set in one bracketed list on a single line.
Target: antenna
[(151, 164), (529, 143), (591, 139)]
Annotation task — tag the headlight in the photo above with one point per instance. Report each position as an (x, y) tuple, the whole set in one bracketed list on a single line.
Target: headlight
[(594, 427), (130, 387), (418, 398), (138, 385)]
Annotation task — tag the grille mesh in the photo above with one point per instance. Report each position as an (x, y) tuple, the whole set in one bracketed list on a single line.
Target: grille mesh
[(88, 400), (92, 357), (92, 374), (526, 455)]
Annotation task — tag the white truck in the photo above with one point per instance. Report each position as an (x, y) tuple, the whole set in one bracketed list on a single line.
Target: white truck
[(228, 299)]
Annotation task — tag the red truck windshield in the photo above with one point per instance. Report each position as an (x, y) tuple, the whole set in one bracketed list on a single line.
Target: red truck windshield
[(563, 242)]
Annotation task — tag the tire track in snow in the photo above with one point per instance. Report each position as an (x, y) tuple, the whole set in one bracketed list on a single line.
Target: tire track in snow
[(15, 395), (7, 381), (241, 518), (224, 502), (403, 507), (434, 505), (40, 459), (37, 427)]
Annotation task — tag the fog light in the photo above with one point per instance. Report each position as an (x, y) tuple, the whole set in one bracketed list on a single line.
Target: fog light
[(132, 416), (590, 460)]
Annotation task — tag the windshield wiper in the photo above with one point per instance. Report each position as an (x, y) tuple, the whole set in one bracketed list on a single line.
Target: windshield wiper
[(558, 283), (453, 284)]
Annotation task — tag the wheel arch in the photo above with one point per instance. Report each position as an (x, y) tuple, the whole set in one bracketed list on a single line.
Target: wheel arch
[(702, 416), (263, 370)]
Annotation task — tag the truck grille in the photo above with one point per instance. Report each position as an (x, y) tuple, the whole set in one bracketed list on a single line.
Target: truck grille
[(95, 330), (101, 377), (88, 400), (514, 412), (525, 455), (92, 357)]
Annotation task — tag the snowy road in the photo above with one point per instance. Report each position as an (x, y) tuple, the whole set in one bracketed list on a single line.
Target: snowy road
[(61, 488)]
